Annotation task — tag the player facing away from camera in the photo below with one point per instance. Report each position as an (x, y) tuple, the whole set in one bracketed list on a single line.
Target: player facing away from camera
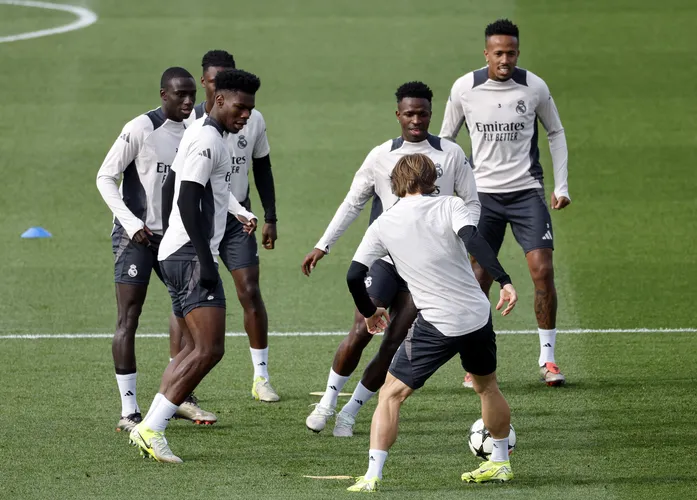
[(386, 288), (188, 251), (428, 238), (238, 250), (500, 105), (140, 160)]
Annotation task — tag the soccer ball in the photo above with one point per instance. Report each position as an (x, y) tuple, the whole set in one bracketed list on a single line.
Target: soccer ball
[(481, 442)]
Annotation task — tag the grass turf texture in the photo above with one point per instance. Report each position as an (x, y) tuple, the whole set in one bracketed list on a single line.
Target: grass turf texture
[(603, 436), (624, 257)]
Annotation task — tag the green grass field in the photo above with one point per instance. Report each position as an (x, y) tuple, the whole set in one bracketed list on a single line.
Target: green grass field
[(621, 75)]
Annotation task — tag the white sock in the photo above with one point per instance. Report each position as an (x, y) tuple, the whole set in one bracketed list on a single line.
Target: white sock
[(500, 452), (260, 360), (158, 418), (335, 383), (155, 402), (127, 389), (359, 397), (376, 461), (547, 340)]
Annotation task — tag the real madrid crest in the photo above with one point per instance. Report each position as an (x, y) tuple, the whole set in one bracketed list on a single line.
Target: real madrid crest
[(520, 108), (242, 142), (439, 170)]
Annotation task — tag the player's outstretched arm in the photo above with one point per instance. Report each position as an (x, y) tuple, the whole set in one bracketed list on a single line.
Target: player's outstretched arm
[(343, 218), (189, 203), (362, 188), (477, 246)]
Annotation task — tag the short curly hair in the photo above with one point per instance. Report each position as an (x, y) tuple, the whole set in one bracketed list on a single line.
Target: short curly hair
[(237, 80), (501, 27), (218, 59), (418, 90)]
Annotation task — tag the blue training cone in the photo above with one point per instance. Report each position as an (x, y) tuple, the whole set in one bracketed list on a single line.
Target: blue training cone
[(36, 232)]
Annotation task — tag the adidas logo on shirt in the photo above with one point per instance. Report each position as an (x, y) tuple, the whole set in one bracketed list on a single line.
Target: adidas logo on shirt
[(206, 153), (126, 137), (547, 236)]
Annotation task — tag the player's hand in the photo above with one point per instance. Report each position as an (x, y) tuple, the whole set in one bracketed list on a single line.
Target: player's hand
[(559, 203), (269, 235), (248, 226), (141, 237), (311, 259), (209, 277), (508, 294), (378, 321)]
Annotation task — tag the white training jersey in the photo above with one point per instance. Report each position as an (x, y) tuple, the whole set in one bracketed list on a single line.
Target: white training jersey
[(373, 180), (140, 160), (420, 235), (501, 118), (249, 143), (203, 158)]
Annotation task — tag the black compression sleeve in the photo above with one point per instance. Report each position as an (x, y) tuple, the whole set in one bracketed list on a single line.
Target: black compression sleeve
[(478, 247), (189, 202), (355, 278), (167, 198), (263, 179)]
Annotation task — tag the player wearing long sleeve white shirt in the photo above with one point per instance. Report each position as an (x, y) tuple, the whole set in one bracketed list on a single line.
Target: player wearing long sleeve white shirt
[(500, 105), (249, 150), (387, 289), (140, 160)]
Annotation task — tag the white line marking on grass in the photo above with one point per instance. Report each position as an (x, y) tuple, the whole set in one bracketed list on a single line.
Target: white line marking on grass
[(38, 336), (85, 17)]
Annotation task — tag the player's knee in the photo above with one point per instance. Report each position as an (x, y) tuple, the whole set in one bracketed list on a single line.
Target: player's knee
[(249, 295), (542, 272), (359, 337), (211, 354), (394, 391), (217, 353), (128, 319), (485, 385), (389, 347)]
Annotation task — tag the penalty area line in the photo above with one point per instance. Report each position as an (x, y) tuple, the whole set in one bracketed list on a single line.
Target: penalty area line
[(577, 331)]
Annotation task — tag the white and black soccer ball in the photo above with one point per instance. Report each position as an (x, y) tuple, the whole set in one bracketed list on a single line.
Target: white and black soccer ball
[(481, 442)]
